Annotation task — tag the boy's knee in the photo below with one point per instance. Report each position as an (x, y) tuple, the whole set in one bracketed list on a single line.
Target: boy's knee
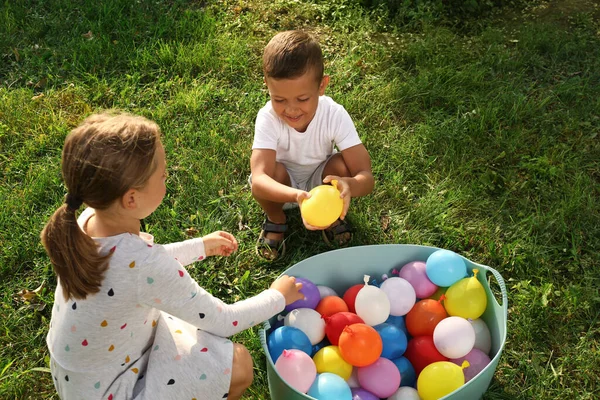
[(336, 166), (242, 371)]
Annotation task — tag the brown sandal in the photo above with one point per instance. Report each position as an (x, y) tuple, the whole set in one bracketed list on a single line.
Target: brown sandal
[(271, 249), (338, 234)]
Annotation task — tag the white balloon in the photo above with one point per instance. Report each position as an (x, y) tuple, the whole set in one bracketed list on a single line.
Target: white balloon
[(454, 337), (372, 305), (483, 337), (353, 380), (401, 295), (325, 291), (308, 321), (405, 393)]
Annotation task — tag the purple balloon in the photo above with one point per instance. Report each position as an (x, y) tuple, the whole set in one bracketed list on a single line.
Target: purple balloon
[(415, 273), (382, 378), (311, 293), (362, 394), (477, 359)]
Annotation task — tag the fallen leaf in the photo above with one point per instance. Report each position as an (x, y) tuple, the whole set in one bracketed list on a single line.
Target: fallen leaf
[(28, 295), (191, 231), (37, 97), (89, 35)]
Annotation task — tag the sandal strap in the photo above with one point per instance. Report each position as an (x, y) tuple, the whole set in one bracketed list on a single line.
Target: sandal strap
[(269, 226), (271, 243), (340, 228)]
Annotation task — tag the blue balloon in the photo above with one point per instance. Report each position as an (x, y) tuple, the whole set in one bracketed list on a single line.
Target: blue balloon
[(398, 321), (394, 340), (328, 386), (408, 376), (320, 345), (445, 267), (287, 338)]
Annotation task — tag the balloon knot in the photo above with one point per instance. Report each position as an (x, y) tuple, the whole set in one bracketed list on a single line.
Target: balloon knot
[(475, 271), (395, 272), (465, 364), (442, 298)]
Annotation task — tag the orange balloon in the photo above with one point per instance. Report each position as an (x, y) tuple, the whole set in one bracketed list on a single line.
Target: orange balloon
[(422, 319), (330, 305), (360, 345)]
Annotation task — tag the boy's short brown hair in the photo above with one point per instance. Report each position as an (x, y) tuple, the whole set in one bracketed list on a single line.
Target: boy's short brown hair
[(290, 54)]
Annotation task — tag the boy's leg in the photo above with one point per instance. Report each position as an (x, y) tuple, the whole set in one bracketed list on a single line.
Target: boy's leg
[(340, 231), (335, 166), (274, 212)]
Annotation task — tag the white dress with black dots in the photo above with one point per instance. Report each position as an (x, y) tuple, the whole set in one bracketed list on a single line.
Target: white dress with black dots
[(150, 332)]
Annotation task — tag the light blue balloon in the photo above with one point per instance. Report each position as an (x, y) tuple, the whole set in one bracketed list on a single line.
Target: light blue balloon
[(328, 386), (288, 338), (408, 376), (445, 267), (393, 339)]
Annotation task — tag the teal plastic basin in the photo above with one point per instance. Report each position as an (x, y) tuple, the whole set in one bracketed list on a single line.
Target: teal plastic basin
[(340, 269)]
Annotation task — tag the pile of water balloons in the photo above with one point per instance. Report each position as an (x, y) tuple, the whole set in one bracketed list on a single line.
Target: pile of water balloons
[(416, 335)]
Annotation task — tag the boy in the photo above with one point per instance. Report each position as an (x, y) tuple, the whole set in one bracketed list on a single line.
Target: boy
[(295, 138)]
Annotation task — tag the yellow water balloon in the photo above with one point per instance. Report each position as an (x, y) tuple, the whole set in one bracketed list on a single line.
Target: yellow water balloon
[(324, 206), (329, 359), (439, 379), (466, 298)]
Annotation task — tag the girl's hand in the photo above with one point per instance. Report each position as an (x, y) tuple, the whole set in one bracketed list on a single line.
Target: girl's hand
[(344, 189), (287, 286), (219, 243)]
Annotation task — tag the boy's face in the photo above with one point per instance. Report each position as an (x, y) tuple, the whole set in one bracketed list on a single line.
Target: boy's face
[(295, 100)]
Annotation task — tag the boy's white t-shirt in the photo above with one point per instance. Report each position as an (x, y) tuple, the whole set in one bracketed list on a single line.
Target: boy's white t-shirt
[(303, 152)]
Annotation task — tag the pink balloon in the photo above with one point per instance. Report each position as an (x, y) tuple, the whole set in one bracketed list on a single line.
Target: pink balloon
[(382, 378), (297, 369), (477, 359), (414, 272)]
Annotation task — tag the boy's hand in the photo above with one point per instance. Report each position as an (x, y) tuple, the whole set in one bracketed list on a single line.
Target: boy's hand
[(344, 189), (301, 196), (287, 286), (219, 243)]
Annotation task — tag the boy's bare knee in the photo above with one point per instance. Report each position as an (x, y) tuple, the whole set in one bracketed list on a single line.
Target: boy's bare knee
[(336, 166), (242, 370)]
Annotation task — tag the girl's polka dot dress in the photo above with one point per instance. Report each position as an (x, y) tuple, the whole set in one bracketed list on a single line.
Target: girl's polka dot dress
[(150, 332)]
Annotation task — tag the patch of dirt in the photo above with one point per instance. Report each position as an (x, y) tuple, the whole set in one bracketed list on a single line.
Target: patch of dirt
[(561, 10)]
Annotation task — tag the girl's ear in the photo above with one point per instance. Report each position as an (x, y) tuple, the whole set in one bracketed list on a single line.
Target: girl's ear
[(128, 200), (323, 85)]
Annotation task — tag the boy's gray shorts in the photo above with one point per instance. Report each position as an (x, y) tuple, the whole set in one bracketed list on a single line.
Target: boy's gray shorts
[(315, 179)]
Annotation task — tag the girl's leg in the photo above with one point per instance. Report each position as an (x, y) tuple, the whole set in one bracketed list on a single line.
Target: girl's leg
[(242, 372)]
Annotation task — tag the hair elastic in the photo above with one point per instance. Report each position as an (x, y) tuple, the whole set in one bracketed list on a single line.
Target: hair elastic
[(73, 202)]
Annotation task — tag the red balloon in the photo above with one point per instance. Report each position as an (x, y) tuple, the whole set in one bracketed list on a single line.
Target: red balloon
[(422, 319), (330, 305), (421, 352), (350, 296), (335, 324), (360, 345)]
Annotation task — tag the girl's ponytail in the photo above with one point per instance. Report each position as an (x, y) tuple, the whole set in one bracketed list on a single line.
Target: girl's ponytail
[(73, 254), (102, 158)]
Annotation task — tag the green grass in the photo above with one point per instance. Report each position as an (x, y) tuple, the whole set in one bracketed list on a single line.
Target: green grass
[(484, 140)]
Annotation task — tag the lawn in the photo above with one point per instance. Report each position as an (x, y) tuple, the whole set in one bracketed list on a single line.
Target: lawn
[(482, 128)]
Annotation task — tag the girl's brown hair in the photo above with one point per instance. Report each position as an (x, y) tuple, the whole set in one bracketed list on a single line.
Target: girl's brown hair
[(290, 54), (102, 159)]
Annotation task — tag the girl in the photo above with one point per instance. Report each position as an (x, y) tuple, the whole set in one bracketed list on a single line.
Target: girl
[(128, 321)]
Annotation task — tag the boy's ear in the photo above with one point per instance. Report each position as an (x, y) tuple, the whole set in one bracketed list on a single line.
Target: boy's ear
[(323, 85), (128, 200)]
